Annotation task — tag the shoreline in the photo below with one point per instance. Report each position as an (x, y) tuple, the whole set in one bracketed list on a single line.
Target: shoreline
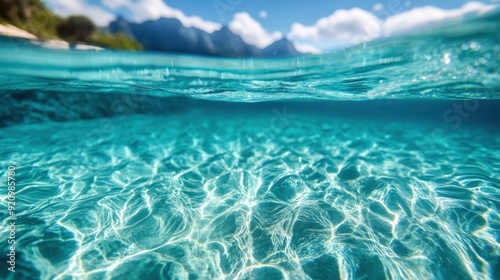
[(8, 30)]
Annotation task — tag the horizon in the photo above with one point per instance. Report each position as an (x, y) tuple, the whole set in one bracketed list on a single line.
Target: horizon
[(325, 26), (159, 150)]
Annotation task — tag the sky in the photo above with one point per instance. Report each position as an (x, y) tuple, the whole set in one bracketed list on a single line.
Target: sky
[(313, 26)]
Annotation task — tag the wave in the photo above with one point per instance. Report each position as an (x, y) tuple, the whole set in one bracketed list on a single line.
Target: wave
[(115, 180), (455, 62)]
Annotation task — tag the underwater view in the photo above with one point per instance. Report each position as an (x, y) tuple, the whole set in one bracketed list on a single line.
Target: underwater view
[(377, 161)]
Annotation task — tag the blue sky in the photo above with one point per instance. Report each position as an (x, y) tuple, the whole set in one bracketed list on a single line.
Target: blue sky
[(281, 14), (312, 25)]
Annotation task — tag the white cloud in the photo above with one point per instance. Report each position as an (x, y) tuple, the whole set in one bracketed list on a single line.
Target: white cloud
[(306, 48), (341, 28), (78, 7), (252, 31), (141, 10), (153, 9), (429, 16), (378, 7), (114, 4), (347, 27)]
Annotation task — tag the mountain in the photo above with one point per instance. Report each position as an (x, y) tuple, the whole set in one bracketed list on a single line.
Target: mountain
[(166, 35), (229, 44), (280, 47), (170, 35)]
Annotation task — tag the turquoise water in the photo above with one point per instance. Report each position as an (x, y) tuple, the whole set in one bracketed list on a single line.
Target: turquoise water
[(381, 161)]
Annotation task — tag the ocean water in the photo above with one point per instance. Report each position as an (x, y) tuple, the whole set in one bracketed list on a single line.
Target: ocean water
[(380, 161)]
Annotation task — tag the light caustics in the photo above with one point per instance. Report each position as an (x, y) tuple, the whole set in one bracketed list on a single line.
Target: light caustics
[(123, 173), (165, 198)]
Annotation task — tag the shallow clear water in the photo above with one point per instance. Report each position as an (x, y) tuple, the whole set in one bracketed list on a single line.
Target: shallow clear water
[(377, 162)]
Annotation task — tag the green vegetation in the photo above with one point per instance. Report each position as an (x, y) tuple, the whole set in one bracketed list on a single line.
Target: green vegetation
[(76, 28), (82, 29), (30, 15), (34, 17), (117, 41)]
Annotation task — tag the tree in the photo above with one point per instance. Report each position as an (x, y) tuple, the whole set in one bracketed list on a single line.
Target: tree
[(34, 17), (18, 9), (79, 28)]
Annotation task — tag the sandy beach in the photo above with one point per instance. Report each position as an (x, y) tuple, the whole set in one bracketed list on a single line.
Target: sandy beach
[(13, 31)]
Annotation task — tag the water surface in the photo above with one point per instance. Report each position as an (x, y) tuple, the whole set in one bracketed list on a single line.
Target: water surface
[(376, 162)]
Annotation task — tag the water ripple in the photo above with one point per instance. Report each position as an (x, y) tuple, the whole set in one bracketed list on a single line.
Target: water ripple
[(163, 198)]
